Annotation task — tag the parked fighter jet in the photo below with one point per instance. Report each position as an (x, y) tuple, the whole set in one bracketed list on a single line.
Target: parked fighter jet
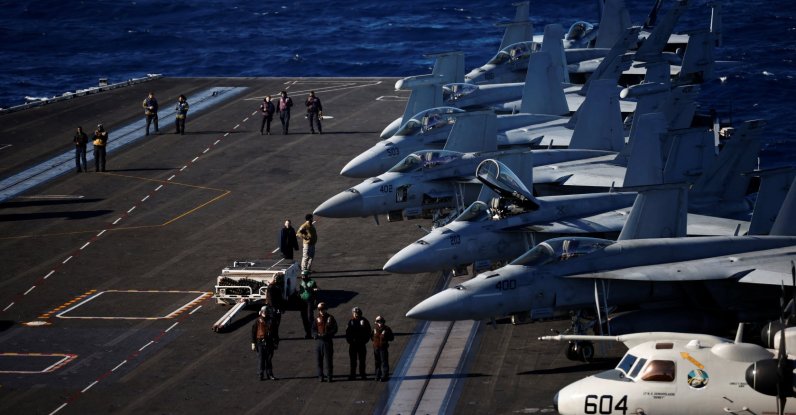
[(674, 373), (427, 89), (733, 274), (505, 228), (543, 105), (432, 179)]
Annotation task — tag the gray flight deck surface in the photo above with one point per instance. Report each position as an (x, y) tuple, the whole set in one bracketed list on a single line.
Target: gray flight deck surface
[(104, 297)]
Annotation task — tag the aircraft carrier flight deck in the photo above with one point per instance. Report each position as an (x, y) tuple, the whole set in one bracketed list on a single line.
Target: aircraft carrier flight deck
[(106, 297)]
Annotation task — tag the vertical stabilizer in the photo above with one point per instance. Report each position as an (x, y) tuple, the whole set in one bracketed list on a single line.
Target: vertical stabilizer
[(774, 186), (427, 89), (615, 18), (543, 92), (553, 44), (651, 48), (690, 150), (722, 180), (599, 121), (474, 131), (616, 61), (715, 22), (658, 212), (449, 67), (785, 224), (645, 163), (520, 29), (698, 60), (521, 164)]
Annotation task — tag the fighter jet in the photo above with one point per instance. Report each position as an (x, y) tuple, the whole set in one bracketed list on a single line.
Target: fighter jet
[(427, 89), (515, 221), (508, 65), (543, 105), (649, 264), (435, 179)]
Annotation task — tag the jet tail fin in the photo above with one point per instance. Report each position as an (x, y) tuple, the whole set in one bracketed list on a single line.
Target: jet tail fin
[(598, 124), (615, 18), (698, 60), (774, 185), (658, 212), (520, 29), (785, 224), (543, 92), (474, 131), (722, 179), (716, 22), (651, 48), (616, 61), (644, 161), (554, 45), (427, 89)]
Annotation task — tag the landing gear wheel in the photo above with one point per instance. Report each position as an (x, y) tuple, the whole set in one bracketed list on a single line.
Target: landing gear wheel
[(585, 351), (572, 351)]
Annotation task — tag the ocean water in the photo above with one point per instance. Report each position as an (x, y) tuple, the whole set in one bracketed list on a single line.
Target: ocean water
[(51, 47)]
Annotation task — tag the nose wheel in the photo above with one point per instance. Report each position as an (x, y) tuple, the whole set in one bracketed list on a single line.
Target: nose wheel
[(580, 351)]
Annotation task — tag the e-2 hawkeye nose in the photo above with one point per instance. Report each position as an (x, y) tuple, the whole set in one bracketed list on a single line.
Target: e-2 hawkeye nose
[(447, 305), (347, 204)]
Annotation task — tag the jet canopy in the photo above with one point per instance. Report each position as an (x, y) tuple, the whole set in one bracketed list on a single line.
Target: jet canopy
[(579, 30), (456, 91), (476, 212), (498, 177), (428, 120), (425, 160), (515, 52), (560, 249)]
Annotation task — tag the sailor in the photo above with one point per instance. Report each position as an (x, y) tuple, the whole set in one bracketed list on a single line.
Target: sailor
[(309, 235), (150, 105), (357, 334), (287, 240), (81, 142), (382, 336), (275, 300), (100, 141), (324, 327), (265, 339), (267, 110), (314, 112), (182, 113), (308, 293), (283, 107)]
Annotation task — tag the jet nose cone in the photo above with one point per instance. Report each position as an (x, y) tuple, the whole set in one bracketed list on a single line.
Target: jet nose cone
[(447, 305), (346, 204), (409, 260), (363, 166)]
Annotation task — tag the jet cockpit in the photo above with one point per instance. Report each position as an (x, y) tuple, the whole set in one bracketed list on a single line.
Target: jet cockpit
[(560, 249), (425, 160), (509, 65), (428, 120)]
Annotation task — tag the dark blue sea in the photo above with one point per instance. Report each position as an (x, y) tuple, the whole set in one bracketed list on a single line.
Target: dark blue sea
[(51, 47)]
